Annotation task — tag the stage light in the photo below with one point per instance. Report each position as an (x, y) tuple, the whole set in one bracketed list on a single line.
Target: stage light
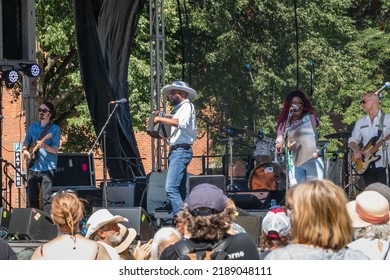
[(10, 76), (32, 70)]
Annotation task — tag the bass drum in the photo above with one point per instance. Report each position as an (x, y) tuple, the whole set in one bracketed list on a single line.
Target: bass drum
[(267, 176)]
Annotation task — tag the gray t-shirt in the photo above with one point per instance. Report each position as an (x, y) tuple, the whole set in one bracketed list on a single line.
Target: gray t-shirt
[(306, 252)]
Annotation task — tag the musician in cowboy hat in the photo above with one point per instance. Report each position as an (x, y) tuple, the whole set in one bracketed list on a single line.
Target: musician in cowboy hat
[(183, 135)]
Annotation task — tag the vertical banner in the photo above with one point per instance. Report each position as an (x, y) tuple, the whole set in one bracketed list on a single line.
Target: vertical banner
[(18, 165)]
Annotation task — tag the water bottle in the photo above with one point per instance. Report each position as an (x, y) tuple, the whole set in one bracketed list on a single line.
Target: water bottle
[(273, 203), (83, 226)]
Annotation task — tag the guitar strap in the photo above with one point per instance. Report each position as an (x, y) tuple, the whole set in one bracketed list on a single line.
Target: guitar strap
[(44, 131)]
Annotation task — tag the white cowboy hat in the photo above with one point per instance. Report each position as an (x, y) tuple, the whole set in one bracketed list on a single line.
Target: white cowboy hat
[(179, 85), (101, 218)]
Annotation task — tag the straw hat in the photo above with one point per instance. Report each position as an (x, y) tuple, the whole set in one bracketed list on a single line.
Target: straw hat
[(369, 208)]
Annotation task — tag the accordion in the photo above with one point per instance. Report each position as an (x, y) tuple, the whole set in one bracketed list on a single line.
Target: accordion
[(158, 130)]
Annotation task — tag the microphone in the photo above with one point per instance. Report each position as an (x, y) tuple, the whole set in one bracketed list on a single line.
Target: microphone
[(294, 108), (386, 85), (120, 101)]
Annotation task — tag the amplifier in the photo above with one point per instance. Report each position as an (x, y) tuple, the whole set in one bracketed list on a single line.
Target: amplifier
[(74, 169), (125, 194), (91, 196)]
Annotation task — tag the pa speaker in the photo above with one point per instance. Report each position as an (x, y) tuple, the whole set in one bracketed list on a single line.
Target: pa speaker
[(4, 219), (138, 220), (216, 180), (125, 194), (74, 169), (31, 224)]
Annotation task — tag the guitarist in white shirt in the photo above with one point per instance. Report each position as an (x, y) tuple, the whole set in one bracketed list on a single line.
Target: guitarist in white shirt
[(370, 158), (43, 140)]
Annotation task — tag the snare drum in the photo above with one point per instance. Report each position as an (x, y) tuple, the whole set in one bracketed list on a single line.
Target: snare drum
[(265, 150), (268, 176)]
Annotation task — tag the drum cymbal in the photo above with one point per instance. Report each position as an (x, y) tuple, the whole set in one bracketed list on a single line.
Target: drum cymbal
[(338, 135), (242, 130)]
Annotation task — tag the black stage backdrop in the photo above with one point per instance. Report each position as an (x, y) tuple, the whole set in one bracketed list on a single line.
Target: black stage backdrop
[(104, 33)]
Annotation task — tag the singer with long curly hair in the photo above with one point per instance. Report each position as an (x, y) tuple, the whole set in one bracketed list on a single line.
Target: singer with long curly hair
[(300, 119)]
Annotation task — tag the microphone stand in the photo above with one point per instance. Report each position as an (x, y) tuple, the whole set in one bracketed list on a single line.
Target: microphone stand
[(285, 143), (231, 187), (384, 143), (103, 131)]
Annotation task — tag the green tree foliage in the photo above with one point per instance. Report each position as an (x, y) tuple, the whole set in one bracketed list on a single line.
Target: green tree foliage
[(343, 45), (60, 81)]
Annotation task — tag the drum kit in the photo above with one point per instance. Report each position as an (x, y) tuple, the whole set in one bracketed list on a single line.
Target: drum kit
[(269, 168)]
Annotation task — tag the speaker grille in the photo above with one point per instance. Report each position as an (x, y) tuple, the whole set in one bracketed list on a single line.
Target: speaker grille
[(31, 224)]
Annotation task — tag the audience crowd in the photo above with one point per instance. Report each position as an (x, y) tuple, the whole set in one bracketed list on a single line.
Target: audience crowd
[(317, 222)]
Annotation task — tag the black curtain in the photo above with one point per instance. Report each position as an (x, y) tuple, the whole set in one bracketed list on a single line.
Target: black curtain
[(105, 33)]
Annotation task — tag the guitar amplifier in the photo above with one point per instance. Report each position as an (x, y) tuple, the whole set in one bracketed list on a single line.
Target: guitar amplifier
[(74, 169), (125, 194)]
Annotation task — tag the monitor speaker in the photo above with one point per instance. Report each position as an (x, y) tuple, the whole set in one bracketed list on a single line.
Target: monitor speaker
[(138, 220), (74, 169), (31, 224), (4, 219)]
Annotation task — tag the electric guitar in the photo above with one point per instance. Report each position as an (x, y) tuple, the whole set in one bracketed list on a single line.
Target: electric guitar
[(361, 165), (34, 151)]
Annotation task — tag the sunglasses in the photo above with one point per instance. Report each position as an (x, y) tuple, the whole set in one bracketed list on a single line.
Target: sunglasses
[(43, 110), (363, 101), (61, 192)]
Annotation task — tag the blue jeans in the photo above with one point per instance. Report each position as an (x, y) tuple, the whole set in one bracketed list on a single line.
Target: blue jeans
[(175, 185), (311, 170)]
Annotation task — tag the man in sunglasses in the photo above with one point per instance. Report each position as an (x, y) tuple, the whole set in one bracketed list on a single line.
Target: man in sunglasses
[(183, 136), (40, 149), (368, 132)]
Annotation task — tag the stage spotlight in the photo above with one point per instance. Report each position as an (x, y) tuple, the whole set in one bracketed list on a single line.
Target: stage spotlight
[(10, 76), (32, 70)]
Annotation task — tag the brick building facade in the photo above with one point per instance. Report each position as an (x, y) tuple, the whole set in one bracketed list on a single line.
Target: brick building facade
[(14, 131)]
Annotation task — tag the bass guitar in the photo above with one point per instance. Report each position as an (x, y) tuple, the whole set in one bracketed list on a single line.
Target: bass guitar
[(361, 165), (34, 151)]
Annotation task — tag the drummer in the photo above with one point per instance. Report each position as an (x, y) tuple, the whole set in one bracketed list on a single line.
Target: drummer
[(299, 116)]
